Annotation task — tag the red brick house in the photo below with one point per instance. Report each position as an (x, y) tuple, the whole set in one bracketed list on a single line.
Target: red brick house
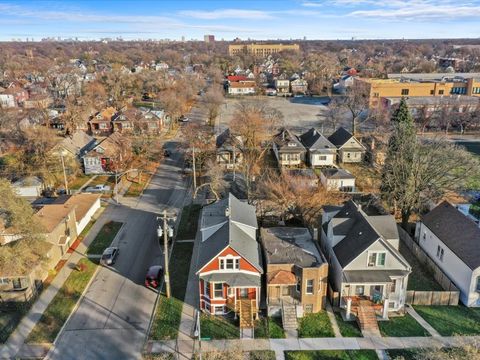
[(229, 262)]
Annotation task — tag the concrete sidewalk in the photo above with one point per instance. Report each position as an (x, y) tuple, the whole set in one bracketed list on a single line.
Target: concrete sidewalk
[(14, 347), (281, 345)]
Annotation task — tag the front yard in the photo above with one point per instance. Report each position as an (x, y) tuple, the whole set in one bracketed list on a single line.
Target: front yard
[(136, 187), (104, 238), (269, 328), (451, 320), (58, 311), (9, 321), (218, 327), (348, 328), (315, 325), (332, 355), (402, 326)]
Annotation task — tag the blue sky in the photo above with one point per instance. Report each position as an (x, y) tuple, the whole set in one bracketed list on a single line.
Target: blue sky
[(272, 19)]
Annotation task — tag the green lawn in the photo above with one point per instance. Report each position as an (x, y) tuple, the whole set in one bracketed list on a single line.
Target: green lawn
[(451, 320), (420, 279), (315, 325), (218, 327), (402, 326), (104, 237), (62, 304), (404, 354), (108, 180), (269, 328), (9, 321), (332, 355), (262, 355), (136, 188), (187, 229), (179, 268), (348, 328), (167, 319), (77, 183)]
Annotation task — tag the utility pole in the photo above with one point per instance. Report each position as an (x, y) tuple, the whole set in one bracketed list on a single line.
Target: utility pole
[(166, 233), (64, 174), (234, 161), (116, 185), (194, 171)]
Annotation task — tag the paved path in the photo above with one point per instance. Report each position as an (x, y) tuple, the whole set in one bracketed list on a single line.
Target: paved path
[(333, 319), (421, 321), (15, 343)]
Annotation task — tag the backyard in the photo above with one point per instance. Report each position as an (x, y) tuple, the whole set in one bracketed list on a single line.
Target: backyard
[(451, 320), (104, 238), (402, 326), (60, 307), (315, 325)]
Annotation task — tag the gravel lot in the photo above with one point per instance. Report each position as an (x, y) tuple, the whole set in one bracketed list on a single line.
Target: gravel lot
[(299, 114)]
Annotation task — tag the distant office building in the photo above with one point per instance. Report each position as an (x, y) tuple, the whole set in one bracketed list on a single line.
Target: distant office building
[(209, 38), (260, 50)]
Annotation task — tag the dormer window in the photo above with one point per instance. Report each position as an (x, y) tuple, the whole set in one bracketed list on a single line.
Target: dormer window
[(230, 263), (292, 144)]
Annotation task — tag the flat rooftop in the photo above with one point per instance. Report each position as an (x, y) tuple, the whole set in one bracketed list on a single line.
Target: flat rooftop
[(290, 245)]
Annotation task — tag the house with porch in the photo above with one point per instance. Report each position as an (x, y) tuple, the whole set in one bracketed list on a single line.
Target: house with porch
[(320, 151), (366, 268), (452, 241), (349, 149), (229, 261), (288, 149), (296, 273), (101, 122), (229, 149)]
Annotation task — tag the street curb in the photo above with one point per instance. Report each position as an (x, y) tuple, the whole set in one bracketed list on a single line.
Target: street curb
[(77, 304)]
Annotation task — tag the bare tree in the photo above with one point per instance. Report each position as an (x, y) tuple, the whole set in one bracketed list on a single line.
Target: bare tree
[(216, 179), (355, 102), (212, 100)]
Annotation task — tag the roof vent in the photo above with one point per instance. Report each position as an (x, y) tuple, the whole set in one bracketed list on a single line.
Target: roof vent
[(359, 233), (227, 212)]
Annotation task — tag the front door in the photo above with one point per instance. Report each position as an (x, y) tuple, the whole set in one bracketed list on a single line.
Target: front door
[(243, 293), (376, 292)]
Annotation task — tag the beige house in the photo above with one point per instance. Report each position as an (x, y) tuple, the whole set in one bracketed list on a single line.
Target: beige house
[(62, 221), (296, 273), (349, 149)]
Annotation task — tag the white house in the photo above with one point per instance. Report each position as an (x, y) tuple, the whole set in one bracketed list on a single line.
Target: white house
[(337, 179), (7, 101), (452, 241), (320, 151), (241, 88), (363, 256), (28, 187)]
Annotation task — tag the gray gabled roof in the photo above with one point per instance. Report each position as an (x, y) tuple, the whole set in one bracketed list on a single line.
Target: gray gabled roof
[(460, 234), (286, 137), (340, 137), (229, 216), (337, 173), (313, 140), (360, 231)]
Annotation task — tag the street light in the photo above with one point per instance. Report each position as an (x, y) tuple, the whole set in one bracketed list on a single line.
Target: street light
[(167, 232)]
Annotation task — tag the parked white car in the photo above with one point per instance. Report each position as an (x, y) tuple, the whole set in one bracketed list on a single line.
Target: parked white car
[(98, 188)]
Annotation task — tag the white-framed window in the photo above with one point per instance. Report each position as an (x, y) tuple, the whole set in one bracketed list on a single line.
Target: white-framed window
[(477, 287), (207, 307), (207, 289), (298, 287), (376, 258), (393, 286), (322, 157), (218, 290), (4, 281), (309, 287), (359, 290), (218, 310), (230, 263)]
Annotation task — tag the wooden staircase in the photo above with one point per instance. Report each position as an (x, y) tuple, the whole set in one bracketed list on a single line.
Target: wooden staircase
[(247, 310), (289, 316), (367, 318)]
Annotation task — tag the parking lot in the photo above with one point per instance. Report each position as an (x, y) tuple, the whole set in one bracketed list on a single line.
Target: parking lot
[(299, 114)]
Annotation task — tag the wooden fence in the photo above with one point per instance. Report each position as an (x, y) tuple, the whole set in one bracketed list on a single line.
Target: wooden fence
[(451, 294)]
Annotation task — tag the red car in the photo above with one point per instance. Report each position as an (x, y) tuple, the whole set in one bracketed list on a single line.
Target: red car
[(154, 276)]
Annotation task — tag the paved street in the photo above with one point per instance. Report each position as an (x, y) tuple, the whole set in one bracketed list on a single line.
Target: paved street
[(112, 319)]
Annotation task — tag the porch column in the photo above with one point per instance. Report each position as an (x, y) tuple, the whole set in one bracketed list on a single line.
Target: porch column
[(349, 307), (385, 309)]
